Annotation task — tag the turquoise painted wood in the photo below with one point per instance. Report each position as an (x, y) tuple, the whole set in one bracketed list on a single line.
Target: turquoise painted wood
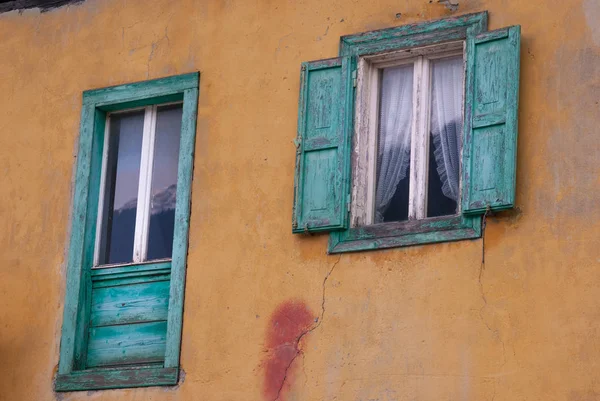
[(491, 111), (130, 104), (130, 274), (451, 228), (417, 232), (123, 304), (321, 182), (80, 348), (127, 344), (413, 35), (139, 269), (182, 226), (89, 237), (107, 378), (155, 88), (77, 289), (129, 280)]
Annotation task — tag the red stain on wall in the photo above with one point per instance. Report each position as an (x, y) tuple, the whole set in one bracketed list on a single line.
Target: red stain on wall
[(287, 324)]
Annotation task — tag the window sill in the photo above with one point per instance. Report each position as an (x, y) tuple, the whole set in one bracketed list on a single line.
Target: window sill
[(97, 379), (419, 232)]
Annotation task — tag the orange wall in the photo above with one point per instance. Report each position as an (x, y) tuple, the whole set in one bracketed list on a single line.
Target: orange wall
[(420, 323)]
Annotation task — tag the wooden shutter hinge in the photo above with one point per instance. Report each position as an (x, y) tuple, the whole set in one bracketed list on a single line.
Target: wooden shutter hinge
[(354, 78)]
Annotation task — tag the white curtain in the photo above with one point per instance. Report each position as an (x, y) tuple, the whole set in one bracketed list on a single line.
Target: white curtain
[(395, 120), (446, 121)]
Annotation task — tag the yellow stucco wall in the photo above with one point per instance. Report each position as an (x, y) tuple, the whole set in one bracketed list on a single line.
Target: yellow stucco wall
[(420, 323)]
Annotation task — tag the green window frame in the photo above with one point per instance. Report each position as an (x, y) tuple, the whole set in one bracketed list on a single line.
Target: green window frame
[(165, 280), (326, 130)]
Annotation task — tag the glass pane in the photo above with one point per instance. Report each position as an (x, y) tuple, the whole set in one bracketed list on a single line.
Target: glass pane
[(445, 137), (164, 182), (122, 177), (394, 138)]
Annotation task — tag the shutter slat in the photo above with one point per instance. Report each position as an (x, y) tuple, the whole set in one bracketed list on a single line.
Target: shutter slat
[(490, 144), (322, 158)]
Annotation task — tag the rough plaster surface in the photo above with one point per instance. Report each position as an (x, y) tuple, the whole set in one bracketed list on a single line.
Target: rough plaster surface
[(591, 8), (422, 323)]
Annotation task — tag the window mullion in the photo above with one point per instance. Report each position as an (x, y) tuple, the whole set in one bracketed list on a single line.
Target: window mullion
[(423, 177), (417, 208), (142, 221), (415, 143)]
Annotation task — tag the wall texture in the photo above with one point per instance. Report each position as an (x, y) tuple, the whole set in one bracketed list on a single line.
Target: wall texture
[(421, 323)]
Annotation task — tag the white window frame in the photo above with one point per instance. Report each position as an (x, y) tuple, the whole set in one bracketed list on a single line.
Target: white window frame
[(364, 171), (142, 219)]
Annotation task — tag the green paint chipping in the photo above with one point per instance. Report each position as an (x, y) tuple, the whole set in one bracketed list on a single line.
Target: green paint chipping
[(322, 181), (492, 102), (131, 315), (489, 138)]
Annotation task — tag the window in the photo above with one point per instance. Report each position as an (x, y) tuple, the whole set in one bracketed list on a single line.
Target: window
[(409, 126), (408, 137), (127, 254), (139, 185)]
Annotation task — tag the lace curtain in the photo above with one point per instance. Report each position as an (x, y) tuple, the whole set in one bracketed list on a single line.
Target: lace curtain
[(446, 122), (395, 122)]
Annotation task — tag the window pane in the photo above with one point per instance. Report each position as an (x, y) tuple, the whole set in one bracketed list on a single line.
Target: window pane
[(122, 177), (164, 182), (446, 136), (394, 138)]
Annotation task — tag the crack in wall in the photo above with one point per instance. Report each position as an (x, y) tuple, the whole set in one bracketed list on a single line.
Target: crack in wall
[(318, 322), (495, 332), (153, 46)]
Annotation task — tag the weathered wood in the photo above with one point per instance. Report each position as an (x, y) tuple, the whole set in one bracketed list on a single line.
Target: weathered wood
[(321, 183), (76, 352), (491, 112), (127, 344), (79, 212), (131, 274), (389, 46), (105, 378), (364, 144), (413, 35), (181, 229), (419, 160), (103, 282), (406, 233), (82, 324), (140, 90), (134, 303), (133, 104), (137, 270)]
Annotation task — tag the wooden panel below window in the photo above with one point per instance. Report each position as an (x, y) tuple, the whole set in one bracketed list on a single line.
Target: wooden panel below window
[(123, 304), (127, 344)]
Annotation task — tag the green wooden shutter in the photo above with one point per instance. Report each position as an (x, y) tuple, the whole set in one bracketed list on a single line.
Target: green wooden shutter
[(490, 142), (321, 184)]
